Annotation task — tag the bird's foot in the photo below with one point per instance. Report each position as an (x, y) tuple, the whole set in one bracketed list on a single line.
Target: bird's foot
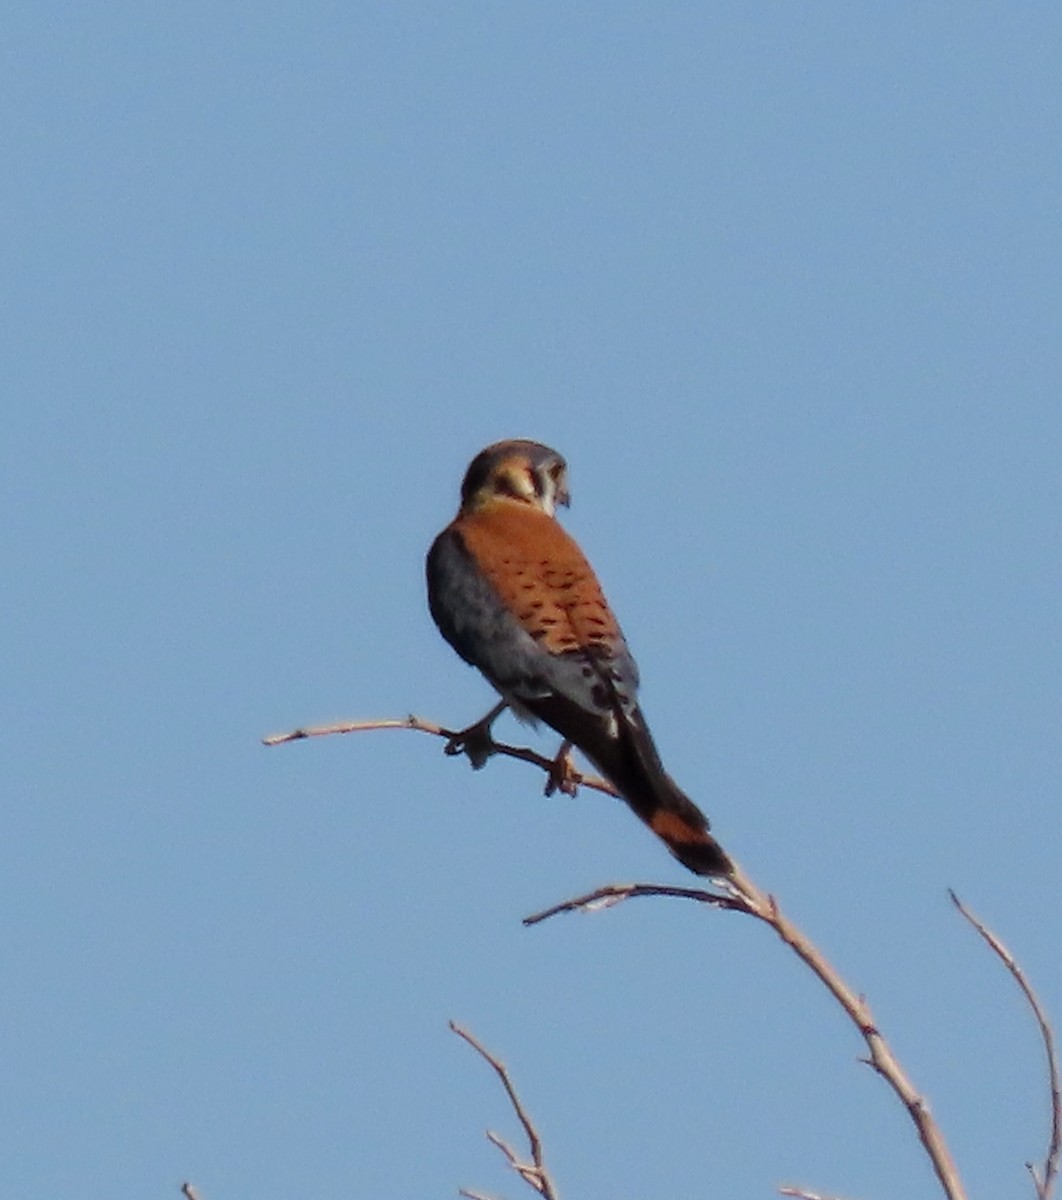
[(563, 777), (476, 742)]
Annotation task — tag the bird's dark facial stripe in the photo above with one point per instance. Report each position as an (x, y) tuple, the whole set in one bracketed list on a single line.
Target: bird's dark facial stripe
[(509, 481)]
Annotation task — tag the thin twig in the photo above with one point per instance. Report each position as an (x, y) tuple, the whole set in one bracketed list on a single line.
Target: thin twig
[(420, 725), (534, 1172), (1043, 1181), (189, 1192), (614, 893), (801, 1194)]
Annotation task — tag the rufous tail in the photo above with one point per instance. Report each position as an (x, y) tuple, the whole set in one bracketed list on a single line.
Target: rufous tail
[(683, 828), (639, 777)]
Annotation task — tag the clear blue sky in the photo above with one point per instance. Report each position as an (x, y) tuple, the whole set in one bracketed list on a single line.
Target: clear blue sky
[(782, 282)]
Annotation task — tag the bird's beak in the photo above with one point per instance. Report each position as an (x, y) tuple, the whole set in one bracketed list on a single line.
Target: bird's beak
[(562, 496)]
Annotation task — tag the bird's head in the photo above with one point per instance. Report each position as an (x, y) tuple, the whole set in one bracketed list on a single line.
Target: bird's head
[(518, 472)]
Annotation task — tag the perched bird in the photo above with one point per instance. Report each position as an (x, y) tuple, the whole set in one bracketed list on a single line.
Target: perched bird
[(513, 594)]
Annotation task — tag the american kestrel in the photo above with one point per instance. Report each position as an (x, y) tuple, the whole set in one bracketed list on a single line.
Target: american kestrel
[(513, 594)]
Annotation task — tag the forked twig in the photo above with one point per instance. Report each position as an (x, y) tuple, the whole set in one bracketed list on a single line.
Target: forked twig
[(1043, 1181), (533, 1172)]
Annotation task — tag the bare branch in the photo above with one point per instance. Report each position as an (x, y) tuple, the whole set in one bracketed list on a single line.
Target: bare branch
[(743, 895), (534, 1172), (513, 1158), (189, 1192), (309, 731), (882, 1059), (801, 1194), (1043, 1181), (614, 893), (522, 753)]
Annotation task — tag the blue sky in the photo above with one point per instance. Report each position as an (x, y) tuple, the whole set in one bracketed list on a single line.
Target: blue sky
[(782, 283)]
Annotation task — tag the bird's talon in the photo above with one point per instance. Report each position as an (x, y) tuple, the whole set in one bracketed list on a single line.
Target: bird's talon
[(563, 776)]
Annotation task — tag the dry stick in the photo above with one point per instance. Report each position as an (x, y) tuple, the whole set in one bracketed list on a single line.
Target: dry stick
[(614, 893), (742, 895), (534, 1172), (881, 1058), (801, 1194), (189, 1192), (1043, 1182)]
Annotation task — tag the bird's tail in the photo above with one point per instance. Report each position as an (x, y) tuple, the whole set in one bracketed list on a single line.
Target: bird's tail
[(680, 825), (656, 798), (622, 749)]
